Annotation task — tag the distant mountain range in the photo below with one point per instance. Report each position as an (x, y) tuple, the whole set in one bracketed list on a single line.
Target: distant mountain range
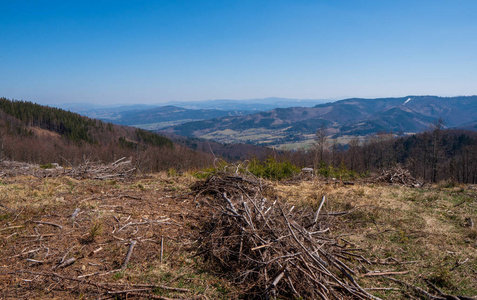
[(263, 104), (258, 104), (154, 117), (290, 123), (294, 127)]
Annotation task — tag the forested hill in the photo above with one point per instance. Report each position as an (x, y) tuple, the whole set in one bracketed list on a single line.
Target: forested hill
[(296, 126), (34, 133), (70, 125)]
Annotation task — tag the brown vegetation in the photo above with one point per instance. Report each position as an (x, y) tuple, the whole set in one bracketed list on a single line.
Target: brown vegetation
[(145, 237), (433, 156), (67, 239)]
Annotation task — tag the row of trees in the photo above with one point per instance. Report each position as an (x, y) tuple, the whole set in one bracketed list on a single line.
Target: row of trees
[(434, 155)]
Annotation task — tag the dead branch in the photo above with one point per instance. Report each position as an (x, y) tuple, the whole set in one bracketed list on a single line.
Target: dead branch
[(66, 263), (128, 255), (48, 223), (377, 273), (106, 287), (118, 170), (416, 288)]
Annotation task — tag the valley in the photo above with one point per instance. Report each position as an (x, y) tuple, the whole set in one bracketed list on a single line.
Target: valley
[(291, 125)]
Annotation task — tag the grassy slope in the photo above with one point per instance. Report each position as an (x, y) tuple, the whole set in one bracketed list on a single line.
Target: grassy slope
[(426, 227), (422, 226)]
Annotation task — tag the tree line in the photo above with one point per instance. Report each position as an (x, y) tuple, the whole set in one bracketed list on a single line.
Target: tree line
[(434, 155)]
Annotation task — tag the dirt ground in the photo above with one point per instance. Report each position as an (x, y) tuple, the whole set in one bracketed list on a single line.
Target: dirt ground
[(65, 238)]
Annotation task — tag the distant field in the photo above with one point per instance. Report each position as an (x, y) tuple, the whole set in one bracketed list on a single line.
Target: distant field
[(161, 125), (273, 138)]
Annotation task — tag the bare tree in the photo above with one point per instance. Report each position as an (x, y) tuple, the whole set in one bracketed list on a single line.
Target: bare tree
[(321, 139), (437, 148), (353, 153)]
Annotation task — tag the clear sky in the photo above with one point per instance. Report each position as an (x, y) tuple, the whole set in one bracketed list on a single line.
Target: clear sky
[(155, 51)]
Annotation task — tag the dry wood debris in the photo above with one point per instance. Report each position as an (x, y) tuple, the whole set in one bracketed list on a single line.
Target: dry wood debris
[(120, 169), (398, 175), (272, 248), (268, 247), (95, 243)]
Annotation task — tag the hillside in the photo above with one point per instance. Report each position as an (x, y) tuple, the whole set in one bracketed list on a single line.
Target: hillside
[(230, 152), (34, 133), (351, 117)]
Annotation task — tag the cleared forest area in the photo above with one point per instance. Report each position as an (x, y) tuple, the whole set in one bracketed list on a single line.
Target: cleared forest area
[(146, 237)]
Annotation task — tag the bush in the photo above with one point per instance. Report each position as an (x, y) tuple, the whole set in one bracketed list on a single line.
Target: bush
[(269, 169), (342, 172), (219, 166), (272, 169), (47, 166)]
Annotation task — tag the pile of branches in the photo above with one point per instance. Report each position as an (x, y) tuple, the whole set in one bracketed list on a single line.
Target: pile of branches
[(398, 175), (271, 248), (16, 168), (120, 169)]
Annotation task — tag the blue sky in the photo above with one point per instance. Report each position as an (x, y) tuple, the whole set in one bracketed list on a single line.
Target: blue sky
[(157, 51)]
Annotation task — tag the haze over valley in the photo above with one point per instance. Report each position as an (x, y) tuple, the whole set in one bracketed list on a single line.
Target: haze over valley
[(292, 124)]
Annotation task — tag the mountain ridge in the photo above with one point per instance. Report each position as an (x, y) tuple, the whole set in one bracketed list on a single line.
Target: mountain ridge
[(347, 117), (155, 117)]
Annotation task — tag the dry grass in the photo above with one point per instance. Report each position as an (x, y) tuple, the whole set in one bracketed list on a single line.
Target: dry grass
[(426, 230), (146, 209)]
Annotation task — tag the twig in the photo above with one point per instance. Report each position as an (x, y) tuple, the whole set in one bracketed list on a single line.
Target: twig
[(35, 261), (416, 288), (130, 197), (48, 223), (458, 264), (128, 255), (66, 263), (377, 273), (127, 291), (162, 247), (319, 208), (12, 227), (75, 214)]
